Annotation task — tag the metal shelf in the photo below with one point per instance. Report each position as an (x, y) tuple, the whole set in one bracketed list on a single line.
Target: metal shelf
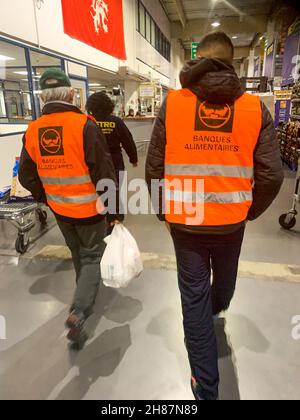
[(295, 117)]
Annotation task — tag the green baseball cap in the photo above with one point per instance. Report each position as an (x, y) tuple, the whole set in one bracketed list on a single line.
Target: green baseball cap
[(54, 78)]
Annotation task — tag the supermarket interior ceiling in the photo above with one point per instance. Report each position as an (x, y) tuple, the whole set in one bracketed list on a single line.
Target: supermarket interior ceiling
[(242, 19)]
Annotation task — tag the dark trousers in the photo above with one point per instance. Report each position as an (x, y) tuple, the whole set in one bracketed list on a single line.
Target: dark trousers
[(87, 247), (197, 257)]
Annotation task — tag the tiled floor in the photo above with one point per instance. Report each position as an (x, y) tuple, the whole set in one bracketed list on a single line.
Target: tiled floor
[(136, 348)]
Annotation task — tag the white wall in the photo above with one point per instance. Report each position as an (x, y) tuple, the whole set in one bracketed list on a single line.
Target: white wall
[(148, 55), (156, 10), (17, 19), (131, 96), (130, 32), (251, 63)]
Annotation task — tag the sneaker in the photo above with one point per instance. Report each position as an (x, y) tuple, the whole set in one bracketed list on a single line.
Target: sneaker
[(77, 334), (74, 321), (78, 337)]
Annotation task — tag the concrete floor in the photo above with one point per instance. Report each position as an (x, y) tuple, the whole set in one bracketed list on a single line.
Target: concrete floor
[(136, 347)]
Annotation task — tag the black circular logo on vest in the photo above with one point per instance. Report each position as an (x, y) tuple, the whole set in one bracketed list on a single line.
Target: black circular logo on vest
[(51, 141), (214, 116)]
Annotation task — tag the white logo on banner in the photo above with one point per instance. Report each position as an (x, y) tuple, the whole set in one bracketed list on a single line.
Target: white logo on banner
[(100, 15)]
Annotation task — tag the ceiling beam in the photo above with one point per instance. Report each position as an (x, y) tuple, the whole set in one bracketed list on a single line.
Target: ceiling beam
[(180, 12), (231, 25)]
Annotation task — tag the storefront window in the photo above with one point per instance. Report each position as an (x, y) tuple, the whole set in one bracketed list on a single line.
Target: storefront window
[(148, 27), (15, 96), (137, 15), (40, 63), (142, 21), (153, 33)]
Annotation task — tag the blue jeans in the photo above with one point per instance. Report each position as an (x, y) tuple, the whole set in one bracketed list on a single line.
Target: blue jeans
[(197, 257)]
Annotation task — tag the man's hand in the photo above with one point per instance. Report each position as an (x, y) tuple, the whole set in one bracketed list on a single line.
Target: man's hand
[(115, 222)]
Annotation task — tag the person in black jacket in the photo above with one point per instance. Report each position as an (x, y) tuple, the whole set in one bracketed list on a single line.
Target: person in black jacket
[(200, 249), (83, 235), (118, 136)]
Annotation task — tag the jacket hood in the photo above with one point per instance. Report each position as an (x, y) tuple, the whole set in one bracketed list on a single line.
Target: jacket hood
[(211, 80)]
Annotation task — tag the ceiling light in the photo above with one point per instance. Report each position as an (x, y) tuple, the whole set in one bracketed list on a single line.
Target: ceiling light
[(22, 73), (234, 37), (94, 84), (216, 24), (5, 58)]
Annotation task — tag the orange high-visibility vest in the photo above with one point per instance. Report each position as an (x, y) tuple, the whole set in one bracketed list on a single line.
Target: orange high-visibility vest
[(55, 143), (209, 159)]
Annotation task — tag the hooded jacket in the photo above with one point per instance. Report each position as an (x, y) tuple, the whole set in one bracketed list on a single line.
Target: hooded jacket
[(215, 81), (118, 137)]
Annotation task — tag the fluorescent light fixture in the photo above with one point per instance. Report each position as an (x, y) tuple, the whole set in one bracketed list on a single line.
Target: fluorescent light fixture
[(5, 58), (94, 84), (234, 37), (216, 24)]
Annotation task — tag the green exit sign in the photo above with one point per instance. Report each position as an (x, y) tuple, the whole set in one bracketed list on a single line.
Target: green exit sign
[(194, 50)]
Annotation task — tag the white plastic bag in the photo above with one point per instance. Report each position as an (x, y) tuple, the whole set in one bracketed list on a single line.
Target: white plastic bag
[(122, 260)]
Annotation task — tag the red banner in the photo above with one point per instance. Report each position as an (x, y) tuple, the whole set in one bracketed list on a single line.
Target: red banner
[(98, 23)]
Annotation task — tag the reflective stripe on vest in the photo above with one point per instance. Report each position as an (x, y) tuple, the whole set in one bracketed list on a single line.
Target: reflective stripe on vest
[(75, 180), (213, 144), (209, 170), (78, 199), (198, 197)]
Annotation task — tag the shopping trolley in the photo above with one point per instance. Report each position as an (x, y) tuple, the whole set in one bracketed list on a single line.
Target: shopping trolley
[(288, 220), (22, 216)]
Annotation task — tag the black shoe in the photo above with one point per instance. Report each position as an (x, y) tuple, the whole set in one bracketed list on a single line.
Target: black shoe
[(78, 337), (74, 321), (77, 334)]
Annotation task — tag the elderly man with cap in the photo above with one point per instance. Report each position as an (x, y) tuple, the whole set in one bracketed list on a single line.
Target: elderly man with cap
[(64, 157)]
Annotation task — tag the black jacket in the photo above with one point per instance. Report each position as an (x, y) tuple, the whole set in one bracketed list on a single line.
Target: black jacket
[(118, 136), (97, 158), (216, 82)]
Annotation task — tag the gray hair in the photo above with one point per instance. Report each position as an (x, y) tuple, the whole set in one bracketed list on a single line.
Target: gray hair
[(62, 94)]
